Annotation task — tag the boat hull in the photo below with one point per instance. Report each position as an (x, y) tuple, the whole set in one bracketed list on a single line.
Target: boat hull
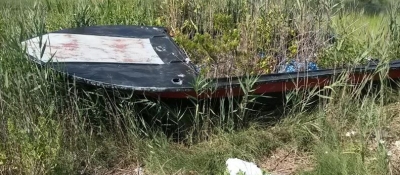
[(146, 60)]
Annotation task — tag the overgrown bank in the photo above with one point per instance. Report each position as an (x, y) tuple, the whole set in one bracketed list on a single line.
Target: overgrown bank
[(48, 127)]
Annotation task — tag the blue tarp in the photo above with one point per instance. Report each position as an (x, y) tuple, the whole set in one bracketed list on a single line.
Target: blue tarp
[(290, 66), (295, 66)]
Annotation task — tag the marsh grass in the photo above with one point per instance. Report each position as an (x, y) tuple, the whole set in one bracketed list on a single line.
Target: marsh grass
[(50, 125)]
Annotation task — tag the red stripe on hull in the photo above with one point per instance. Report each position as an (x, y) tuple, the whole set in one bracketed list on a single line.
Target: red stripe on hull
[(272, 87)]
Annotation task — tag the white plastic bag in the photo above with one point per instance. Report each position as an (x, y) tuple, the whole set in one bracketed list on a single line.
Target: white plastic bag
[(235, 166)]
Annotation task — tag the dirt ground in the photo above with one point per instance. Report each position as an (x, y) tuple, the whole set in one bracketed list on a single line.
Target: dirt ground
[(287, 162)]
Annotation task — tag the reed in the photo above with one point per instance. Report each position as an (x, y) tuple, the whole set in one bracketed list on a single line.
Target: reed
[(49, 125)]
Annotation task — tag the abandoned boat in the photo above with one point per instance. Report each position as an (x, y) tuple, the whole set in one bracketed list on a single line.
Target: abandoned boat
[(146, 60)]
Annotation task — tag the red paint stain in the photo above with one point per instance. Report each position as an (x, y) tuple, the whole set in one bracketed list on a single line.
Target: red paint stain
[(120, 46), (73, 45)]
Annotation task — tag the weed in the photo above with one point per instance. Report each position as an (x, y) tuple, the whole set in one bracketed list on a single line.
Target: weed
[(49, 126)]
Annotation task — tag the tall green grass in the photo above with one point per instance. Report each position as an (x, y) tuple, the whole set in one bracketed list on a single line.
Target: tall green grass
[(49, 125)]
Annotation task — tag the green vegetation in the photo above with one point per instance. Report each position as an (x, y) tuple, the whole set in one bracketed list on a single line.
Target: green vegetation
[(51, 127)]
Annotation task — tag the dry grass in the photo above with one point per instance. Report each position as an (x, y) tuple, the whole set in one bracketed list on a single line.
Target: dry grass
[(52, 129), (287, 162)]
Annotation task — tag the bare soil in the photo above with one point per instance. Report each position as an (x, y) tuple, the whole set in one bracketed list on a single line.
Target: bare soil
[(287, 162)]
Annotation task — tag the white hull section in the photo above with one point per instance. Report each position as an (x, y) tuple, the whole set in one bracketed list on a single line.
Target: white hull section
[(92, 49)]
